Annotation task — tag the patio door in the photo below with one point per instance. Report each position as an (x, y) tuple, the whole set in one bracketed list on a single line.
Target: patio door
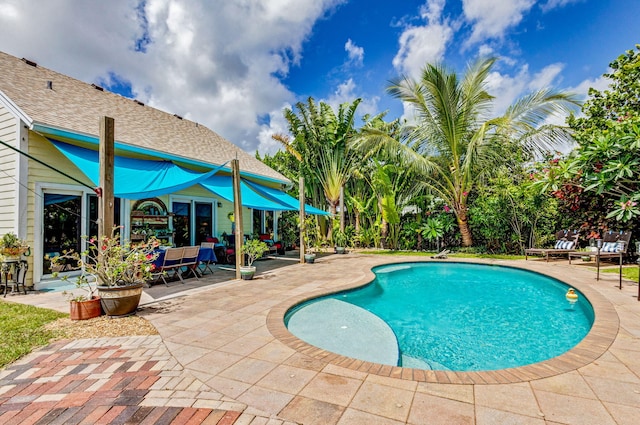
[(92, 220), (62, 225), (193, 221), (182, 223), (204, 221)]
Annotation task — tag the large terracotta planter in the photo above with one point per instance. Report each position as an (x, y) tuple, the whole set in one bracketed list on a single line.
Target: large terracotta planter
[(83, 310), (120, 301)]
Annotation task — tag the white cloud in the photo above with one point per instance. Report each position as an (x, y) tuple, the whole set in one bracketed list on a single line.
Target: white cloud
[(420, 45), (348, 91), (491, 18), (208, 61), (277, 125), (356, 53), (582, 89), (343, 93), (546, 77), (553, 4)]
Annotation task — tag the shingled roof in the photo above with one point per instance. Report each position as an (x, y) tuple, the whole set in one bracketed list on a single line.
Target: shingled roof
[(55, 100)]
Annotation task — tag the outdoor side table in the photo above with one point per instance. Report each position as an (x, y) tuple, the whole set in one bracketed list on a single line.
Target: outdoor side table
[(17, 269)]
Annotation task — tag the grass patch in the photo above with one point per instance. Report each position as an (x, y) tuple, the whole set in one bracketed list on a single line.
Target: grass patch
[(22, 329), (454, 255), (628, 272)]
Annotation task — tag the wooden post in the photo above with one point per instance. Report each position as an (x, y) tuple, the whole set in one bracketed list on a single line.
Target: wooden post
[(106, 183), (302, 222), (342, 208), (237, 215)]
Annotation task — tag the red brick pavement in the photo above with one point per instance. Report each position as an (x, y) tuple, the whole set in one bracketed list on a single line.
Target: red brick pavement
[(72, 386)]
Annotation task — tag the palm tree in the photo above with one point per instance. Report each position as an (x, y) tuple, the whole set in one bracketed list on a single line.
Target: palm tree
[(320, 144), (453, 142)]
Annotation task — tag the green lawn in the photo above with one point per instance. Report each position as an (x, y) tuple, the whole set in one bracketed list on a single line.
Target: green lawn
[(628, 272), (22, 329)]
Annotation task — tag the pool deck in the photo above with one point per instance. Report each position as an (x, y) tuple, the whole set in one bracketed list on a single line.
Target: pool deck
[(230, 341)]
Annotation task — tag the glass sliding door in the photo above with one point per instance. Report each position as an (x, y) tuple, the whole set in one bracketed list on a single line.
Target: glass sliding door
[(257, 222), (193, 221), (182, 223), (62, 229), (92, 224), (204, 221)]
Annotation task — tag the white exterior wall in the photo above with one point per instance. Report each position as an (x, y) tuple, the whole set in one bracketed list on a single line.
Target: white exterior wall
[(9, 174)]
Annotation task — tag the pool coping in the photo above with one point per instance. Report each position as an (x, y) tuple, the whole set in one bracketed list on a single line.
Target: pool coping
[(595, 344)]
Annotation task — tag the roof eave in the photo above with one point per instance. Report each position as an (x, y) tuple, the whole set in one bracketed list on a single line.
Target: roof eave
[(14, 109)]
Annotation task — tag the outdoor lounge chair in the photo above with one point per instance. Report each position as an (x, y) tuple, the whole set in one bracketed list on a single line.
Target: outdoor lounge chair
[(442, 254), (613, 245), (190, 261), (171, 263), (566, 243)]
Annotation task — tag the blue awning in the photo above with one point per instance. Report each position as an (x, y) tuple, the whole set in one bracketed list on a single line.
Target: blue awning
[(283, 198), (223, 187), (135, 178), (143, 178)]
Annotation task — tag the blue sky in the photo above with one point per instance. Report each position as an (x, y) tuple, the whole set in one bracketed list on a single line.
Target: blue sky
[(233, 65)]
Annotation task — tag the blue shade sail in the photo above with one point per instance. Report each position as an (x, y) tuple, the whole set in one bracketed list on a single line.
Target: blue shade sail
[(144, 178), (135, 178), (284, 198), (223, 187)]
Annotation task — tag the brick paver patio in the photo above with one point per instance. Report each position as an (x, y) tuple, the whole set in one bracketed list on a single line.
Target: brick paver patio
[(224, 355)]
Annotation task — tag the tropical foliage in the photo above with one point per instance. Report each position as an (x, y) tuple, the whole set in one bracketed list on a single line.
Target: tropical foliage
[(458, 174), (455, 142), (599, 182)]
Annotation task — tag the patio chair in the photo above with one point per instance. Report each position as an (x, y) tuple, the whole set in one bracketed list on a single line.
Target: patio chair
[(190, 261), (613, 245), (566, 243), (266, 238), (208, 264), (172, 262)]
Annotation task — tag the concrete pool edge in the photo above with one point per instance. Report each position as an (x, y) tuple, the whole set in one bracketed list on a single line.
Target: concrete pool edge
[(595, 344)]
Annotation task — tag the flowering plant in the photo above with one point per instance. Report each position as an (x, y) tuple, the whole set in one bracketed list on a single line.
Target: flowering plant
[(626, 209), (11, 245), (593, 235), (108, 262)]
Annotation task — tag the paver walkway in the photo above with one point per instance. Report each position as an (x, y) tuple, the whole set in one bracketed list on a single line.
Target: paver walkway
[(227, 344), (130, 380)]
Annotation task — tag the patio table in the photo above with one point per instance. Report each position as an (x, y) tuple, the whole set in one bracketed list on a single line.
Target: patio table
[(205, 254)]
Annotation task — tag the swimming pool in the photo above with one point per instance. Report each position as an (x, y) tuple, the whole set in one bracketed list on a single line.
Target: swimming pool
[(457, 316)]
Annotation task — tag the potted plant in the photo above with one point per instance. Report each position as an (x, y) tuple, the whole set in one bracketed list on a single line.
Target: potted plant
[(86, 304), (309, 257), (340, 241), (253, 249), (82, 306), (118, 269), (310, 228), (12, 247)]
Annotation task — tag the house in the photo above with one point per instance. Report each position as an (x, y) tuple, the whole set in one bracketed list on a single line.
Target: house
[(172, 175)]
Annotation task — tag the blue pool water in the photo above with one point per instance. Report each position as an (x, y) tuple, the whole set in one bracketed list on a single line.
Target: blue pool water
[(467, 317)]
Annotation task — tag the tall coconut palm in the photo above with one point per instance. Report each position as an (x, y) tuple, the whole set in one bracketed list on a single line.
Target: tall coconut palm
[(454, 142)]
